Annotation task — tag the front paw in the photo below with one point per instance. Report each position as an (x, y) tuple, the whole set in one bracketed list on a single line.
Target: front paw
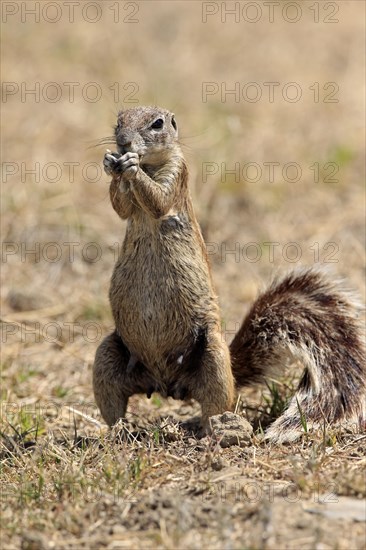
[(111, 163), (130, 163), (126, 165)]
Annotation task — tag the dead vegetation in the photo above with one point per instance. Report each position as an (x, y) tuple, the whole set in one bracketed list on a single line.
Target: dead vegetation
[(157, 486), (66, 483)]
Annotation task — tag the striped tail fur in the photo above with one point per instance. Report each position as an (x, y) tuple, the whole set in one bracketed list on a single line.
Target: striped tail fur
[(313, 319)]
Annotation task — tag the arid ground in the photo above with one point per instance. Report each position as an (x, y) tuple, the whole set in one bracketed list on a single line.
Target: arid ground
[(270, 104)]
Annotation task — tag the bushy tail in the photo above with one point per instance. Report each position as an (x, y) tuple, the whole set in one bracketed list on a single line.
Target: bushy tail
[(313, 319)]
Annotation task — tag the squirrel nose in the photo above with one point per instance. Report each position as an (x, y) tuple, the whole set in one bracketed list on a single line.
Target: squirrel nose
[(128, 143), (126, 147)]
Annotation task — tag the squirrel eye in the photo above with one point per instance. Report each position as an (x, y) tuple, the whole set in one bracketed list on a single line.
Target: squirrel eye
[(174, 124), (159, 123)]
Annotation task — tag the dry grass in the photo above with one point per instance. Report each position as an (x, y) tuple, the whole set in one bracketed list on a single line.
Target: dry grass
[(66, 481)]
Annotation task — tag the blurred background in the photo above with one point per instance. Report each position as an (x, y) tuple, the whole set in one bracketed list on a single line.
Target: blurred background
[(270, 107)]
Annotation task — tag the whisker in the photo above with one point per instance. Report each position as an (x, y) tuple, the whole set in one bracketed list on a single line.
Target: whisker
[(108, 140), (184, 145)]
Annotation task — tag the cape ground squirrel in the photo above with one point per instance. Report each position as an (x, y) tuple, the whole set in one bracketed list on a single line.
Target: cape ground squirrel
[(167, 335)]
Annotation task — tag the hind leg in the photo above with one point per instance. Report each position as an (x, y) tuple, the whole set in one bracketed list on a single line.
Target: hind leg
[(114, 382), (212, 383)]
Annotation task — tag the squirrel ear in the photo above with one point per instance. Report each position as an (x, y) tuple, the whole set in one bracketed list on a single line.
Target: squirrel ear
[(118, 126), (174, 124)]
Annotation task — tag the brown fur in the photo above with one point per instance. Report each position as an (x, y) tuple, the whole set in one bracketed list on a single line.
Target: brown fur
[(313, 319), (167, 335), (164, 306)]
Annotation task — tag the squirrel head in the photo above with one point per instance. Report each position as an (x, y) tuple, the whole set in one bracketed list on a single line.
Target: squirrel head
[(151, 132)]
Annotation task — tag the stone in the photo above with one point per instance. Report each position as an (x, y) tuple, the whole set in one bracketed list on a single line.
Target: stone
[(231, 429)]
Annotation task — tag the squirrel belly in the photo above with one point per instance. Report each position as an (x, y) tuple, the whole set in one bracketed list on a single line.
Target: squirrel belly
[(160, 292), (167, 335)]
